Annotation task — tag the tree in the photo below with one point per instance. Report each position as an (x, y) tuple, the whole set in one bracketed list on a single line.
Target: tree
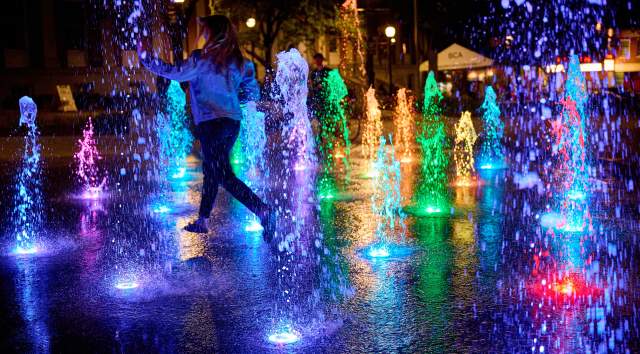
[(293, 20)]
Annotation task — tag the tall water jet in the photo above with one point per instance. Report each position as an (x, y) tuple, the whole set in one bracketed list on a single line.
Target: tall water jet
[(404, 125), (372, 130), (571, 153), (351, 59), (386, 203), (463, 151), (432, 196), (334, 132), (27, 214), (174, 136), (86, 159), (491, 150), (254, 139), (333, 121), (291, 78)]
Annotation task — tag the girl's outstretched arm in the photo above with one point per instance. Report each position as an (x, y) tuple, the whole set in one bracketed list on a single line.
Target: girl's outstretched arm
[(182, 71), (249, 89)]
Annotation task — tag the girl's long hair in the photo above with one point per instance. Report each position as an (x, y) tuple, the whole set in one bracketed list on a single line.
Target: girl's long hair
[(222, 46)]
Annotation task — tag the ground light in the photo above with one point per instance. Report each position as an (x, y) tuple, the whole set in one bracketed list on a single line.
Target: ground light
[(285, 336), (379, 251), (25, 251), (127, 285), (179, 173), (161, 209), (576, 195), (253, 226)]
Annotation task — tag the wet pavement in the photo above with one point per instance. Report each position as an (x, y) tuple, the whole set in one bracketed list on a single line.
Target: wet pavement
[(485, 277)]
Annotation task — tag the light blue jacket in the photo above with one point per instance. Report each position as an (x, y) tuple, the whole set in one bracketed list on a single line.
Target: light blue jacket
[(214, 94)]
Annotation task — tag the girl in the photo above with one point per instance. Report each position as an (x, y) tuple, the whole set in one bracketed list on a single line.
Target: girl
[(220, 80)]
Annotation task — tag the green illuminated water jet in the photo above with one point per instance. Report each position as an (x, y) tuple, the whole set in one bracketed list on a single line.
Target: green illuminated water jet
[(333, 140), (432, 195), (334, 134)]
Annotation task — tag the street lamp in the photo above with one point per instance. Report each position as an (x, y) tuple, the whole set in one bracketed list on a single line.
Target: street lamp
[(251, 22), (390, 32)]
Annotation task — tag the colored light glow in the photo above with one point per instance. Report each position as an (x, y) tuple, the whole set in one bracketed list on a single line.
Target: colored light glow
[(572, 227), (282, 338), (180, 172), (127, 285), (552, 220), (487, 166), (253, 226), (326, 196), (161, 209), (379, 252), (25, 251), (326, 187), (576, 195), (299, 167), (565, 287), (372, 172), (433, 210)]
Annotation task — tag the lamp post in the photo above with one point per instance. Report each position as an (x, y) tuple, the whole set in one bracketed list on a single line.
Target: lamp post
[(390, 33), (251, 23)]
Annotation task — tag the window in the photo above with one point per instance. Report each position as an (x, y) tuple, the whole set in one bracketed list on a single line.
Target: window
[(333, 45), (625, 48)]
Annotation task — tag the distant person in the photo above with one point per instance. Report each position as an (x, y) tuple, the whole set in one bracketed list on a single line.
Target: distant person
[(220, 79), (317, 78)]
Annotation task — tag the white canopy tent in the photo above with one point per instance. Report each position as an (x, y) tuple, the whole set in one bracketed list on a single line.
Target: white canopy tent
[(457, 57)]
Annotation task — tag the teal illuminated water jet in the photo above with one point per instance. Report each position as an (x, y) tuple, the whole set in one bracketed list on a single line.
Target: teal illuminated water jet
[(174, 136), (491, 154), (570, 150)]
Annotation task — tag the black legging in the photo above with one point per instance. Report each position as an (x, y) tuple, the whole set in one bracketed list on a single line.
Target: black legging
[(217, 137)]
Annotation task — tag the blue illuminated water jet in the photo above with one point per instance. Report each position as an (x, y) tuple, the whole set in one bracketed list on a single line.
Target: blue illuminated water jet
[(28, 197)]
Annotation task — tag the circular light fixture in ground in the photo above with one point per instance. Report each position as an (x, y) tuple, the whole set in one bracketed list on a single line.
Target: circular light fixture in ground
[(253, 226), (288, 337), (23, 251), (379, 252), (127, 285)]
